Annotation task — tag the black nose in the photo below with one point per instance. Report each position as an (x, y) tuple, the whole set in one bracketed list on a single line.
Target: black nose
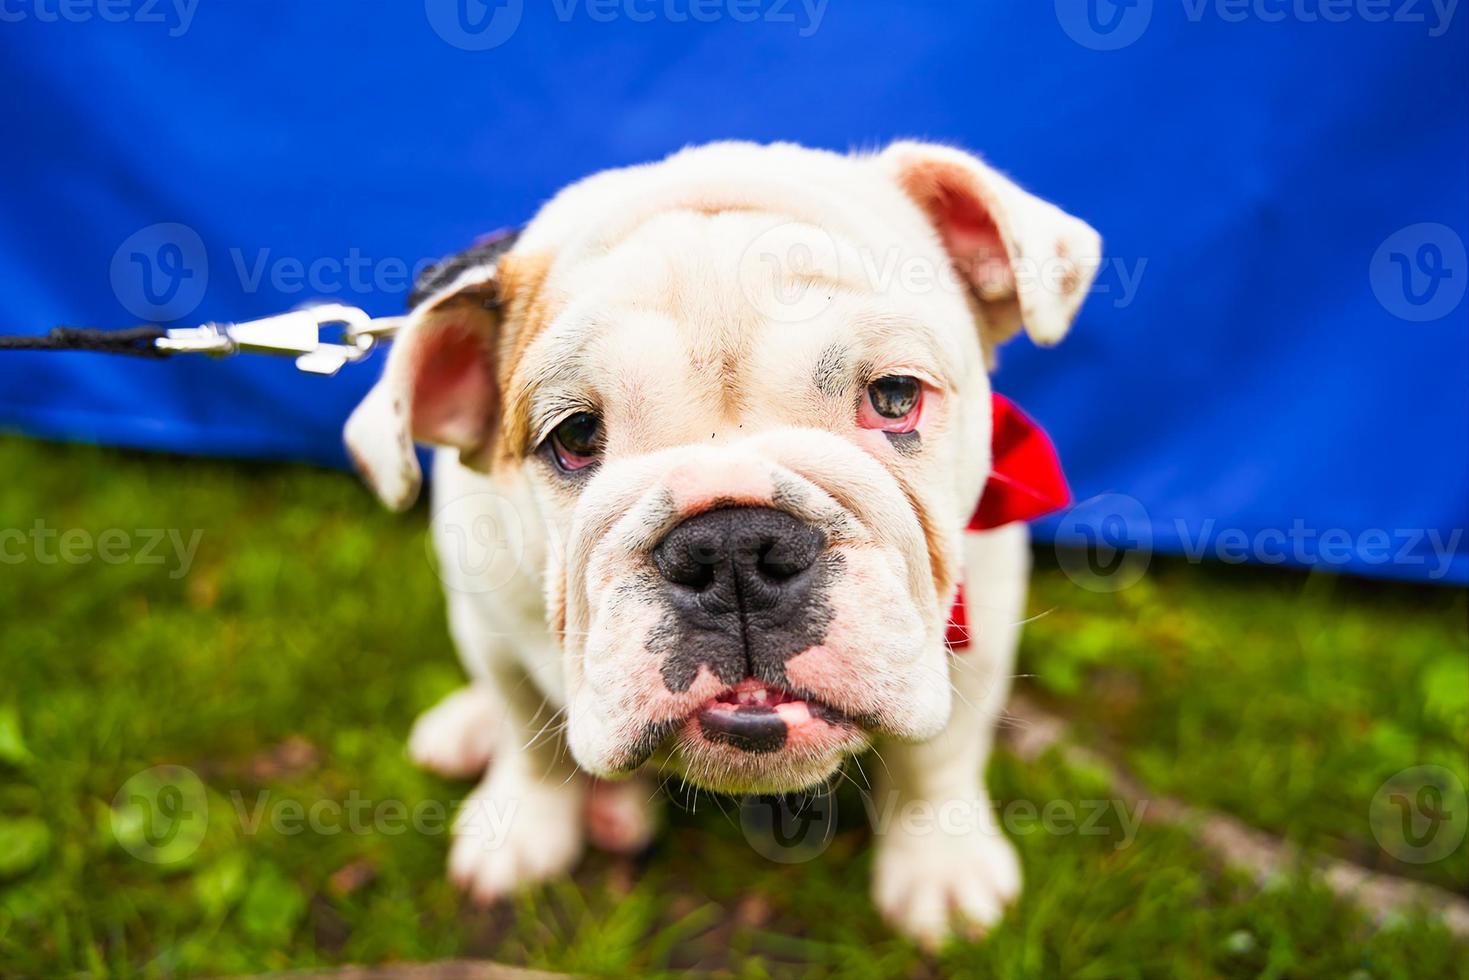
[(745, 587), (738, 550)]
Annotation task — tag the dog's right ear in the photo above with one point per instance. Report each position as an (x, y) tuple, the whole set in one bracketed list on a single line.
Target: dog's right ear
[(440, 385)]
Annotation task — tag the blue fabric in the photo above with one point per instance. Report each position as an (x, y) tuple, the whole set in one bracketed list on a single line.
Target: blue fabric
[(1267, 370)]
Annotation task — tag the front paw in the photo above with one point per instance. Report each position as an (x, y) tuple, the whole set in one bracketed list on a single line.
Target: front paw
[(516, 830), (455, 737), (931, 886)]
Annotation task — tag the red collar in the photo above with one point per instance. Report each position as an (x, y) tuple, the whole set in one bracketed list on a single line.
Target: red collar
[(1025, 482)]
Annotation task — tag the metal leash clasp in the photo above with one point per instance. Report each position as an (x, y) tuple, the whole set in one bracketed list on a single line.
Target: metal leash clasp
[(297, 333)]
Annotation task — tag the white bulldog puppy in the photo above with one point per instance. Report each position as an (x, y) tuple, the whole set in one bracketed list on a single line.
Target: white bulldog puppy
[(721, 422)]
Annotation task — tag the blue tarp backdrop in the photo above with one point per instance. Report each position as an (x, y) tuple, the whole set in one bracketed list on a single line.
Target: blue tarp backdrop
[(1274, 365)]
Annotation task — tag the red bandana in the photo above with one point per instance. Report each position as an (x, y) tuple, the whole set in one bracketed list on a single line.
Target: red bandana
[(1025, 482)]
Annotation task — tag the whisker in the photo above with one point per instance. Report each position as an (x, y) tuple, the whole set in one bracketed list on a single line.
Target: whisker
[(1040, 615)]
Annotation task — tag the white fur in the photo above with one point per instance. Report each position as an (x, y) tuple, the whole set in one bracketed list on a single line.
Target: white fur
[(692, 299), (924, 881)]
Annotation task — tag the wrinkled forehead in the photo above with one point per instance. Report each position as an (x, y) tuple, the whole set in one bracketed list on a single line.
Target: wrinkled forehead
[(696, 320)]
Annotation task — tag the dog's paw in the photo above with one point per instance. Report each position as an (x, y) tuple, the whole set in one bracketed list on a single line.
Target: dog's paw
[(622, 817), (515, 830), (933, 886), (455, 737)]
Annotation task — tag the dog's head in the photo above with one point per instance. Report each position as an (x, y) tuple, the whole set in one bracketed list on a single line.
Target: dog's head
[(749, 388)]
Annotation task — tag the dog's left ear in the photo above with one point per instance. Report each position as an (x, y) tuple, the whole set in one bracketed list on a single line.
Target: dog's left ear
[(1027, 261), (440, 384)]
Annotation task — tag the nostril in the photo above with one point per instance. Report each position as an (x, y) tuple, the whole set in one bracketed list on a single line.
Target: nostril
[(781, 561), (697, 574), (691, 566)]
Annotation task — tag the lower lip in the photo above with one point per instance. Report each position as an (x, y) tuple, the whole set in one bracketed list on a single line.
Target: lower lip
[(768, 725)]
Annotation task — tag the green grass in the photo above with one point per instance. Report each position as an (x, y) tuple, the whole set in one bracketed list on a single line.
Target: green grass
[(308, 631), (1293, 697)]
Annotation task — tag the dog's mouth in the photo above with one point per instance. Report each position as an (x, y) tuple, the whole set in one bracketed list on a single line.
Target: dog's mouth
[(757, 717), (754, 737)]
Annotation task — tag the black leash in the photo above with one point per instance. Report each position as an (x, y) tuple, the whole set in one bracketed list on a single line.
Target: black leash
[(137, 341)]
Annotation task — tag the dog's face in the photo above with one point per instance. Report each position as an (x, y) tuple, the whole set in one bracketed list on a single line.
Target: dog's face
[(748, 385)]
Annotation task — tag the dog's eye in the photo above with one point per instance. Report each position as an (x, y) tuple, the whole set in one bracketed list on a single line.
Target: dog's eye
[(577, 441), (892, 404)]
